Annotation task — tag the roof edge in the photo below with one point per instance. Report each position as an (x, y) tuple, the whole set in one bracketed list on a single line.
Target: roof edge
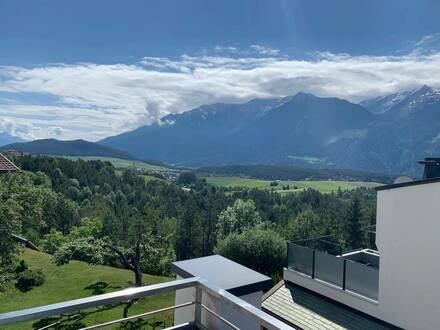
[(10, 161), (407, 184)]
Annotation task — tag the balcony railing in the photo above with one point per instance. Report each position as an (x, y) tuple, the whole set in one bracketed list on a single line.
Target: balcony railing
[(203, 314), (348, 275)]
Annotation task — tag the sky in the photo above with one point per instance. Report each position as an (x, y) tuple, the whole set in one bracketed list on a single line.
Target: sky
[(92, 69)]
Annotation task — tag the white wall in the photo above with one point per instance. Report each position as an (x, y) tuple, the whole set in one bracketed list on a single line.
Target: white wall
[(227, 311), (185, 314), (408, 239)]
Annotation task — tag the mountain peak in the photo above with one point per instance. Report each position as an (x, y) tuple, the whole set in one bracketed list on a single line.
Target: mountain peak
[(425, 93), (425, 89), (304, 95), (407, 99)]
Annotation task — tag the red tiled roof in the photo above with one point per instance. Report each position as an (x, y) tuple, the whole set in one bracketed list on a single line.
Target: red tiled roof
[(6, 165)]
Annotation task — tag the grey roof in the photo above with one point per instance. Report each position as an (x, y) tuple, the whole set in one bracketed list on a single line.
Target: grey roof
[(224, 273), (308, 311)]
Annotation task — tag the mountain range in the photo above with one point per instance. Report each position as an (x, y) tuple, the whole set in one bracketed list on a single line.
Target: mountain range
[(259, 131), (385, 134)]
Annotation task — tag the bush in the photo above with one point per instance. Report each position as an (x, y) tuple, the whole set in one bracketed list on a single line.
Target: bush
[(21, 267), (29, 279), (263, 250)]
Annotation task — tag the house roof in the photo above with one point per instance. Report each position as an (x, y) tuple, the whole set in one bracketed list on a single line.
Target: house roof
[(306, 310), (227, 274), (6, 165)]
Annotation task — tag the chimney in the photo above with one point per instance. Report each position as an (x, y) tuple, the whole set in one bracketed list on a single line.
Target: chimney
[(432, 168)]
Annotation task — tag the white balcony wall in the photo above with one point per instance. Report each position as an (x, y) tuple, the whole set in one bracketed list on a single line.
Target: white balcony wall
[(408, 239)]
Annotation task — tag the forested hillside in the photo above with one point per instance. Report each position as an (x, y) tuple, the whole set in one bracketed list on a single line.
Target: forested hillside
[(86, 210), (67, 148)]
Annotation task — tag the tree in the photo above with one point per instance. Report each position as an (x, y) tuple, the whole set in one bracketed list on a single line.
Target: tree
[(187, 178), (263, 250), (9, 224), (98, 251), (304, 226), (53, 241), (351, 226), (369, 220), (157, 257), (236, 218)]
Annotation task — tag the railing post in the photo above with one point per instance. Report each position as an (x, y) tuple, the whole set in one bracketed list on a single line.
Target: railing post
[(198, 305), (343, 274), (313, 264)]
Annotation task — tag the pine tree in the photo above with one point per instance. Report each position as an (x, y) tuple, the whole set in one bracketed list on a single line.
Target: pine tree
[(352, 224)]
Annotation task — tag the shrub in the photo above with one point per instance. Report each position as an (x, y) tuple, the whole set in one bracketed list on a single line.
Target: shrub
[(262, 250), (21, 267), (29, 279)]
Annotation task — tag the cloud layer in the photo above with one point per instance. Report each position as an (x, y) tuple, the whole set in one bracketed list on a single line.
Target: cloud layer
[(92, 101)]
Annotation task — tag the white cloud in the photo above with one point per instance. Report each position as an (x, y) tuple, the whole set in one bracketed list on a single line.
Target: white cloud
[(266, 51), (226, 49), (428, 44), (95, 101)]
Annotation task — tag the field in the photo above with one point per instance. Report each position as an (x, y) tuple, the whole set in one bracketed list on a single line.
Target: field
[(122, 163), (294, 186), (78, 280)]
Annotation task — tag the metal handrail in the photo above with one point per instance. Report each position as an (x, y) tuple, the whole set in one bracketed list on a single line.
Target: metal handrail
[(221, 318), (202, 286), (138, 316), (95, 301)]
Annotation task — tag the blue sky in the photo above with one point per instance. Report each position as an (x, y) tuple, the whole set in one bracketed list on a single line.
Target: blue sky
[(89, 69)]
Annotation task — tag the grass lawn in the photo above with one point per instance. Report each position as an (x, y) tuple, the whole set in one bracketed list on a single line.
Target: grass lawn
[(77, 280), (121, 163), (326, 186), (148, 178)]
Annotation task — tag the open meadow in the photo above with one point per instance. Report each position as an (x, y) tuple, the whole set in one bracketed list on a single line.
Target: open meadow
[(325, 186)]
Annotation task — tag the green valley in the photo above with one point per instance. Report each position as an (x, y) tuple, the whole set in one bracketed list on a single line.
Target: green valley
[(323, 186)]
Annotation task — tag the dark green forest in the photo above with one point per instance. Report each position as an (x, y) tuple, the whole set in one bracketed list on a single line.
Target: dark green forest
[(88, 210)]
